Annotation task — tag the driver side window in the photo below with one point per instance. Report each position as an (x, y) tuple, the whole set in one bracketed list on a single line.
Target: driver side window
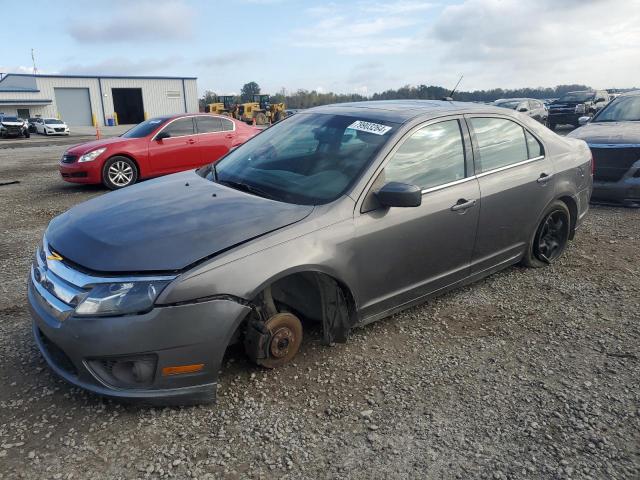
[(431, 156)]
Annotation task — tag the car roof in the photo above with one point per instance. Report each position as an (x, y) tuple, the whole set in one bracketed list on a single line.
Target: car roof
[(401, 111)]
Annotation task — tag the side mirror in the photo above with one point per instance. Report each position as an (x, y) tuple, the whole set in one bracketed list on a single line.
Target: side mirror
[(396, 194), (598, 100), (162, 135), (523, 109), (584, 120)]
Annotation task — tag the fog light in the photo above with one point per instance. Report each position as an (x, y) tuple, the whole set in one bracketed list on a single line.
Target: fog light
[(133, 371), (125, 372)]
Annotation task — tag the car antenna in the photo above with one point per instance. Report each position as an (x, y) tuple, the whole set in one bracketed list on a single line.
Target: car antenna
[(449, 98)]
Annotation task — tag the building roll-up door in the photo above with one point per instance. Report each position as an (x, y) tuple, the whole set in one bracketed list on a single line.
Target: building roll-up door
[(74, 106)]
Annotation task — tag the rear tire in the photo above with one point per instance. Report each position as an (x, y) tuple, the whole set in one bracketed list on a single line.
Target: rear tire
[(119, 172), (551, 237)]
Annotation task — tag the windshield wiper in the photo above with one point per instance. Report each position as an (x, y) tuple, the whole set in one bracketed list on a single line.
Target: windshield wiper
[(245, 187)]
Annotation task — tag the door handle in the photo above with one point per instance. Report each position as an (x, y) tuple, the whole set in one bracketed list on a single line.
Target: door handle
[(191, 141), (229, 135), (463, 205), (544, 178)]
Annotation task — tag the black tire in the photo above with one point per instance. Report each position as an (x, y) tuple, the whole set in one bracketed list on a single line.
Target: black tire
[(119, 172), (550, 238), (27, 134)]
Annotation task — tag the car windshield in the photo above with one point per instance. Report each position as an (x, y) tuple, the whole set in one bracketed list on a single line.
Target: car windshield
[(53, 121), (145, 128), (622, 109), (576, 97), (512, 104), (10, 119), (309, 159)]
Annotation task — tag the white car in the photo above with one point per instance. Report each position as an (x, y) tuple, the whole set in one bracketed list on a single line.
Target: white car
[(51, 126)]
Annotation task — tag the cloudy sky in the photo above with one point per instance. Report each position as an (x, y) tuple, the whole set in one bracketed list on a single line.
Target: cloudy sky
[(360, 46)]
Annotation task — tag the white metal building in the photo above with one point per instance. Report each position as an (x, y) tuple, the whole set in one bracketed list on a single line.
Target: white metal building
[(105, 100)]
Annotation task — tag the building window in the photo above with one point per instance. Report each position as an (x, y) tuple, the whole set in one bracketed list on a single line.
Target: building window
[(173, 94)]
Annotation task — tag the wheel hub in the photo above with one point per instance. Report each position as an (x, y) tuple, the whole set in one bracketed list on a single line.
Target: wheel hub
[(280, 342)]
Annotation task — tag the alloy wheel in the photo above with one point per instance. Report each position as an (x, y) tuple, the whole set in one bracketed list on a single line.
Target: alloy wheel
[(552, 236), (120, 173)]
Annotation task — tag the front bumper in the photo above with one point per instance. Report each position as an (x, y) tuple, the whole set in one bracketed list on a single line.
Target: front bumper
[(81, 172), (625, 191), (197, 333)]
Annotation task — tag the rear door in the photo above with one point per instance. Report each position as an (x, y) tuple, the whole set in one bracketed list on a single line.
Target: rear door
[(177, 152), (415, 251), (516, 182), (213, 141)]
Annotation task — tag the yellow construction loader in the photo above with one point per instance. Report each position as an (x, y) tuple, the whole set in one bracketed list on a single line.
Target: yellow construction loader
[(224, 105), (261, 110)]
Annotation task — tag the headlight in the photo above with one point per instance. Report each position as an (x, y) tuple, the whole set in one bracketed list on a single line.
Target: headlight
[(120, 298), (580, 108), (91, 156)]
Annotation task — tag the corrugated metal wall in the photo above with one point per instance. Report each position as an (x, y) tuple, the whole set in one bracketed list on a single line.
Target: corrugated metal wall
[(160, 96)]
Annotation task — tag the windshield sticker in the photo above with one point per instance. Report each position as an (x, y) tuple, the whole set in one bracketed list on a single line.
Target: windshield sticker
[(369, 127)]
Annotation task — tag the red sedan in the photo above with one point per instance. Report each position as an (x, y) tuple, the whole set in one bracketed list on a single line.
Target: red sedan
[(155, 147)]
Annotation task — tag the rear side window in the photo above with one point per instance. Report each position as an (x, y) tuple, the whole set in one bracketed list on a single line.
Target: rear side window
[(180, 127), (501, 142), (534, 147), (208, 124), (227, 125), (431, 156)]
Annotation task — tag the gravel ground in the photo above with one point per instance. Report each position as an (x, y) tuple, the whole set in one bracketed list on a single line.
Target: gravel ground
[(527, 374)]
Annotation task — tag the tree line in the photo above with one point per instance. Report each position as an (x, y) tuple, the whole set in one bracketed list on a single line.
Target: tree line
[(312, 98)]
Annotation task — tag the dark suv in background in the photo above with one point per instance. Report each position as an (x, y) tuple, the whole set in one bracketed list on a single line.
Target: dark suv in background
[(573, 105), (536, 109)]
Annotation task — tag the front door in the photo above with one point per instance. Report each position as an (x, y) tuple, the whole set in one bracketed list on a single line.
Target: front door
[(516, 184), (406, 253), (177, 152)]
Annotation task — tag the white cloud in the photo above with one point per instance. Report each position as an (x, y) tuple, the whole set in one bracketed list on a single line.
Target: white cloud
[(16, 69), (512, 43), (229, 59), (122, 66), (141, 21), (356, 34)]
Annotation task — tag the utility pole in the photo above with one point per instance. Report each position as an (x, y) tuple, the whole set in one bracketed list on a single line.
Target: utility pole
[(33, 58)]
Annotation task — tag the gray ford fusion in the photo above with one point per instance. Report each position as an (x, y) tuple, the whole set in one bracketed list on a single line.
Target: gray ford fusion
[(339, 216)]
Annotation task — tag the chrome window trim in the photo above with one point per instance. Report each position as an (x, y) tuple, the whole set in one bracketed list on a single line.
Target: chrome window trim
[(450, 184), (475, 177), (83, 280), (195, 127), (506, 167)]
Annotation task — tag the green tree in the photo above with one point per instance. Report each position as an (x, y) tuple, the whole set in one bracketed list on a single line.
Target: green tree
[(248, 91), (207, 97)]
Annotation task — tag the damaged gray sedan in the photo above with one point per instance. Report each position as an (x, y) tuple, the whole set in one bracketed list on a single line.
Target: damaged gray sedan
[(339, 215)]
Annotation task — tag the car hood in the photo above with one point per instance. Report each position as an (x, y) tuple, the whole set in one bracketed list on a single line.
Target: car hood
[(12, 124), (92, 145), (165, 224), (614, 133)]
